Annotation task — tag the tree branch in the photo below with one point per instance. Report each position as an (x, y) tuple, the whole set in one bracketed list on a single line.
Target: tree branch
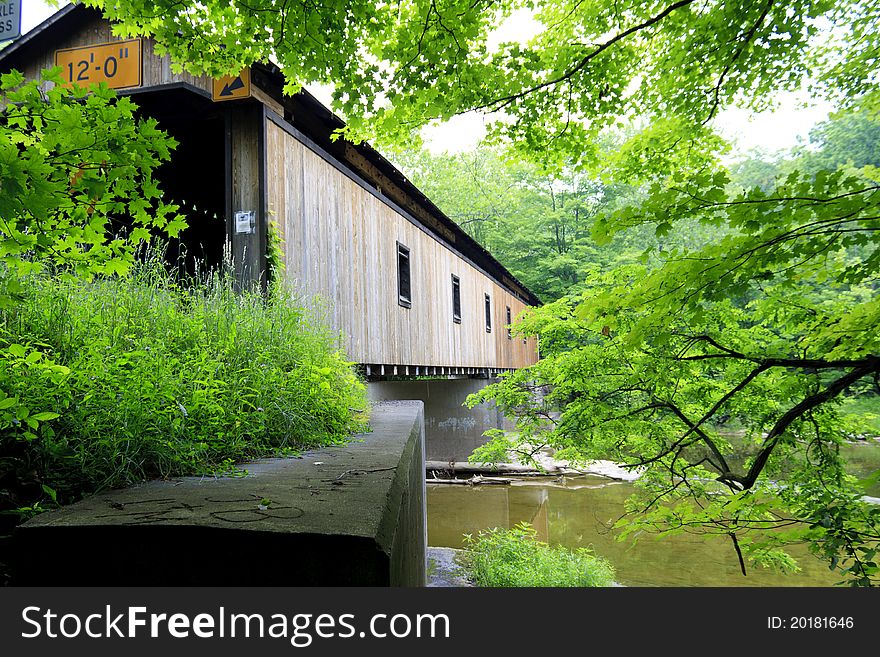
[(722, 463), (744, 43), (742, 384), (803, 363), (499, 103), (739, 554), (794, 413)]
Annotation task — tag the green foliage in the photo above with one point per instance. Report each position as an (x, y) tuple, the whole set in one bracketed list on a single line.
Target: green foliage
[(754, 299), (847, 139), (152, 379), (73, 164), (397, 66), (515, 557)]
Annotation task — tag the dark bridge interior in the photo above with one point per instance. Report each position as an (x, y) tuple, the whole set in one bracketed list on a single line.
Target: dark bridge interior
[(195, 178)]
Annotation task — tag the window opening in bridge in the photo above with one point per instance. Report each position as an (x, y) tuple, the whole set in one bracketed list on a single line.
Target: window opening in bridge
[(456, 299), (403, 279), (509, 322), (488, 314)]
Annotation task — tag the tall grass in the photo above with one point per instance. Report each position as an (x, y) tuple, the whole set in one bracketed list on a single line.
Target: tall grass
[(168, 380), (516, 558)]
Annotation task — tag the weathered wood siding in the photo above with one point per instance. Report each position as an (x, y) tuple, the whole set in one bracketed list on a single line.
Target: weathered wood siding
[(244, 142), (156, 69), (340, 243)]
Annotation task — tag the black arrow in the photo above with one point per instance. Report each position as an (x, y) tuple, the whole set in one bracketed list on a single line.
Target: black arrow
[(237, 83)]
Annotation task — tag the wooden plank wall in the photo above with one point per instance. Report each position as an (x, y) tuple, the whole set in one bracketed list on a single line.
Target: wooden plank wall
[(156, 70), (340, 242), (244, 139)]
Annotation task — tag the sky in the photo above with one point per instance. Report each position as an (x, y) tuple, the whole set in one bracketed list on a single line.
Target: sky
[(34, 12), (783, 128)]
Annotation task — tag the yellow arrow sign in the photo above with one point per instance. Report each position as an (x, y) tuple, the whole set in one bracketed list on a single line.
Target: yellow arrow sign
[(232, 87)]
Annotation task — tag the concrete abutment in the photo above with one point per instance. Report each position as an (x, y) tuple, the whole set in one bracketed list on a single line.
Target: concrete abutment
[(353, 515)]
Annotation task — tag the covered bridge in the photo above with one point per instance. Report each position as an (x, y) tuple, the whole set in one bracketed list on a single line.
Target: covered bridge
[(410, 291)]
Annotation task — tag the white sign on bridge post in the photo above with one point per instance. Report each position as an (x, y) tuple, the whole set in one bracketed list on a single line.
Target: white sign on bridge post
[(10, 20)]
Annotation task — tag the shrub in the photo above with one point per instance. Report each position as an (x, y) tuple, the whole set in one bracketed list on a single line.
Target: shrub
[(118, 380), (516, 558)]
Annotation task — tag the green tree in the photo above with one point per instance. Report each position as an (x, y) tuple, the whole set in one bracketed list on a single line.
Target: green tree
[(75, 164), (769, 322), (400, 65), (850, 138), (650, 364)]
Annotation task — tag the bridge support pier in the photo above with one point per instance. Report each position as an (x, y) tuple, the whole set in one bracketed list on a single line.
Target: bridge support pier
[(452, 431)]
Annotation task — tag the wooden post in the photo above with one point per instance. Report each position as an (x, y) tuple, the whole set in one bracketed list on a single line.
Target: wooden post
[(245, 192)]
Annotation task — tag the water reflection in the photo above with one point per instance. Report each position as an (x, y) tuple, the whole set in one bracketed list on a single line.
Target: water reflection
[(863, 460), (577, 513)]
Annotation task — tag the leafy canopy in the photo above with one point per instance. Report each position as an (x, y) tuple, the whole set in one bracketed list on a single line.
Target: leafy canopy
[(73, 163), (398, 65), (768, 324)]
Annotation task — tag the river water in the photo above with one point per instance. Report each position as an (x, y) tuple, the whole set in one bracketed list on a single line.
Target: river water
[(578, 511)]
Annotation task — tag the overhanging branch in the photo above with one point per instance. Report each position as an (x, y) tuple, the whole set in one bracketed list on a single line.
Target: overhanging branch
[(794, 413), (500, 103)]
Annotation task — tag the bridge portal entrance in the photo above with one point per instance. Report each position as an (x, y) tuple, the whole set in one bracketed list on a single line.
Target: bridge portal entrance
[(195, 178)]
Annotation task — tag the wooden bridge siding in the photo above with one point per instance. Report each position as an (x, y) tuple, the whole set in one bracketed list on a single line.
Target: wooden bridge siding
[(340, 242), (245, 135), (156, 69)]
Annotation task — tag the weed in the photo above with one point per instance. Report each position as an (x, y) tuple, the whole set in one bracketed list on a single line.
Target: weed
[(516, 558), (158, 379)]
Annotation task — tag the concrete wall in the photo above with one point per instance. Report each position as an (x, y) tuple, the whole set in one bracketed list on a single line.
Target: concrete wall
[(344, 516), (452, 431)]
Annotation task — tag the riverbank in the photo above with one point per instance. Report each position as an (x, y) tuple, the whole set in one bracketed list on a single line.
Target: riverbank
[(443, 571), (545, 465)]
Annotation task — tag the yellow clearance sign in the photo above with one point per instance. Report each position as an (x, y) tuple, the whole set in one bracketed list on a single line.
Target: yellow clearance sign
[(232, 87), (118, 64)]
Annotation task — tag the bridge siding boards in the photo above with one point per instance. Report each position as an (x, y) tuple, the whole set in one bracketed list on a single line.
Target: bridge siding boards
[(340, 216), (340, 242)]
